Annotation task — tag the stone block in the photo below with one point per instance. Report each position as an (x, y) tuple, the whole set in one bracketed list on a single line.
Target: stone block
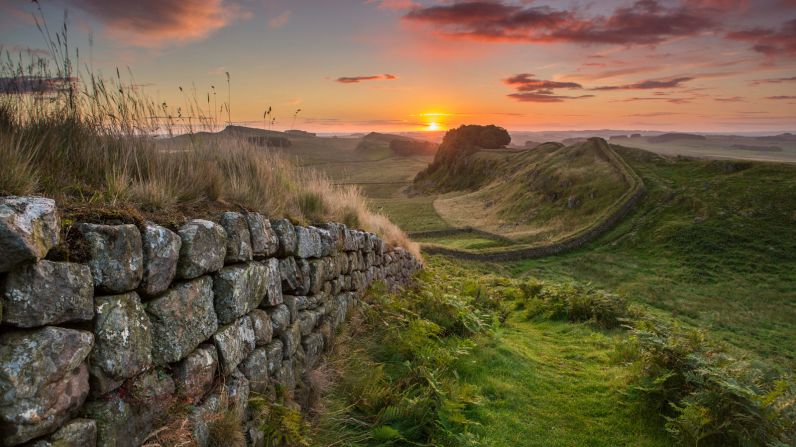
[(286, 234), (204, 247), (273, 282), (122, 341), (263, 329), (263, 236), (161, 251), (48, 293), (280, 318), (234, 343), (255, 368), (181, 319), (238, 289), (308, 242), (239, 243), (29, 228), (75, 433), (194, 375), (43, 380), (116, 257)]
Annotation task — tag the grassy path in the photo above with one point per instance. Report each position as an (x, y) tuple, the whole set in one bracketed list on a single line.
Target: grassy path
[(553, 384)]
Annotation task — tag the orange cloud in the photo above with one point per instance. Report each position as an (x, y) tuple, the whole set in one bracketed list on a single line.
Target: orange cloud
[(155, 23)]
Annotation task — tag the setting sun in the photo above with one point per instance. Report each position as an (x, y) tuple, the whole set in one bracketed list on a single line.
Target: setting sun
[(433, 126)]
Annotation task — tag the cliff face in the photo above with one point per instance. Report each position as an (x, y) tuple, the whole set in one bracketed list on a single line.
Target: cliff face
[(100, 351)]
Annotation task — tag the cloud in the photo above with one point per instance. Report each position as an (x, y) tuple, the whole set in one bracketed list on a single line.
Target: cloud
[(670, 100), (769, 41), (645, 22), (280, 20), (543, 97), (729, 99), (773, 80), (531, 89), (781, 97), (649, 84), (154, 23), (357, 79), (393, 4), (18, 85)]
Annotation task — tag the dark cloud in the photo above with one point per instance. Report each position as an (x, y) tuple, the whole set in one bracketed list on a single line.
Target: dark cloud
[(357, 79), (542, 97), (770, 41), (18, 85), (730, 99), (531, 89), (158, 22), (781, 97), (773, 80), (649, 84), (644, 22)]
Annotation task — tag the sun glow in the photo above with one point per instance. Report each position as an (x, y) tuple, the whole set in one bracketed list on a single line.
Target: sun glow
[(433, 126)]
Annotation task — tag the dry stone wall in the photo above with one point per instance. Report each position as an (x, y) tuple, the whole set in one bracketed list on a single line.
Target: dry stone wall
[(102, 352)]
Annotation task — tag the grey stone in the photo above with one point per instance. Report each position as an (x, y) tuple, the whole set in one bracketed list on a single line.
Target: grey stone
[(43, 380), (237, 389), (290, 274), (255, 368), (337, 232), (204, 246), (161, 249), (274, 354), (304, 274), (48, 293), (286, 234), (280, 318), (328, 246), (181, 319), (263, 330), (317, 275), (239, 243), (123, 341), (293, 303), (116, 259), (29, 228), (234, 343), (239, 289), (350, 241), (126, 420), (313, 348), (285, 377), (307, 321), (193, 376), (291, 339), (75, 433), (273, 282), (308, 242), (263, 237)]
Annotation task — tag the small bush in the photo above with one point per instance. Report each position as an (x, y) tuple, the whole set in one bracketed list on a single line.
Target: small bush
[(574, 303), (707, 397), (225, 429)]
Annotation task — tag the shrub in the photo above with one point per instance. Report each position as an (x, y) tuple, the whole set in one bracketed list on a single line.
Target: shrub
[(707, 397), (574, 303)]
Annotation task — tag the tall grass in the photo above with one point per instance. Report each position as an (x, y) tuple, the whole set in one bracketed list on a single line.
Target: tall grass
[(83, 139)]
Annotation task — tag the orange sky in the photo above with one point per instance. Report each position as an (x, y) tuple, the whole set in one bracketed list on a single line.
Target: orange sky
[(361, 65)]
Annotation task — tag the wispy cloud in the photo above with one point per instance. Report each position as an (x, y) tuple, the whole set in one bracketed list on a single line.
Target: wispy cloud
[(770, 41), (358, 79), (649, 84), (154, 23), (280, 20), (531, 89), (773, 81)]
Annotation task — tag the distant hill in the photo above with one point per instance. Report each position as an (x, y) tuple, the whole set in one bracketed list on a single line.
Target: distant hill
[(397, 144), (667, 137), (529, 195)]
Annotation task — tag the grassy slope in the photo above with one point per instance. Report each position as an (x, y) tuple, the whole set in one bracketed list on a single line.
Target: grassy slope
[(553, 384), (529, 198), (710, 244)]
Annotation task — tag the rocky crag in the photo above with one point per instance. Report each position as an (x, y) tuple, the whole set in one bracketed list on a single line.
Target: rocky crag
[(101, 352)]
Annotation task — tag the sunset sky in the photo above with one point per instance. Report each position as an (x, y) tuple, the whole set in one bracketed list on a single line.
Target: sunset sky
[(401, 65)]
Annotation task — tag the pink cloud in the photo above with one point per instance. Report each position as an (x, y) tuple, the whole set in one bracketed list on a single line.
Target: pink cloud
[(155, 23), (358, 79)]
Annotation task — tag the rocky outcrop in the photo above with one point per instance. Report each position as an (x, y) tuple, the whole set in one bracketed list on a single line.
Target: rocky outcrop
[(195, 319)]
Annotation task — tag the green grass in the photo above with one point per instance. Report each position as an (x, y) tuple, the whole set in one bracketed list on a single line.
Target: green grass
[(467, 241), (411, 214), (712, 244), (554, 384)]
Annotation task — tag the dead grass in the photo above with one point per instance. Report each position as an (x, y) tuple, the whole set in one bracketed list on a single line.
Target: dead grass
[(103, 143)]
